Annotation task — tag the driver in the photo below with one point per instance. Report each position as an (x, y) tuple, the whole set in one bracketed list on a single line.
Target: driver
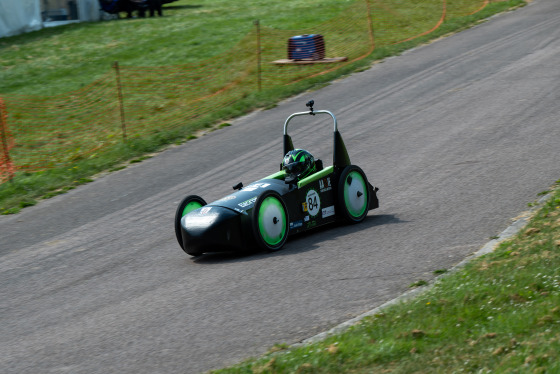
[(298, 164)]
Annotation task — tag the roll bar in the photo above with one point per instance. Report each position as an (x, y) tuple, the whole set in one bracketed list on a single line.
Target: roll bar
[(340, 155), (309, 113)]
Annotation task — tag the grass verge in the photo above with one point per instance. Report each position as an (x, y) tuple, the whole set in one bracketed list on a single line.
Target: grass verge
[(22, 53), (498, 314)]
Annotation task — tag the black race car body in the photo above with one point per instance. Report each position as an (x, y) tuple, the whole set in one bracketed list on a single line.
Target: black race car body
[(264, 213)]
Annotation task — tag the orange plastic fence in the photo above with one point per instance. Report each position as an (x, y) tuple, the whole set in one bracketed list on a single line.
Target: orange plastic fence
[(56, 131), (6, 164), (438, 24), (129, 101)]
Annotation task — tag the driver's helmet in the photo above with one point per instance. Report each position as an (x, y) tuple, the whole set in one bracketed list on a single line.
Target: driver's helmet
[(298, 164)]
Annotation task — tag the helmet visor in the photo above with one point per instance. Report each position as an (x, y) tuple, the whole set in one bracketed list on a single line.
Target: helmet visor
[(294, 168)]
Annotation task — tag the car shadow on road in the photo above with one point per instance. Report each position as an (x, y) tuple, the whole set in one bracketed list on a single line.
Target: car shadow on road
[(300, 243)]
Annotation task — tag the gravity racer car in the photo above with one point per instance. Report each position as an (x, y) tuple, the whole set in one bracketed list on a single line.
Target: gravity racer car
[(264, 213)]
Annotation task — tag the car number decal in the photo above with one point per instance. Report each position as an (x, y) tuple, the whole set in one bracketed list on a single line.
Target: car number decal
[(313, 202)]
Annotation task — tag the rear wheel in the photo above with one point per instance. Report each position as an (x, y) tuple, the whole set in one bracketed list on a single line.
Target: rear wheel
[(270, 221), (353, 194), (188, 204)]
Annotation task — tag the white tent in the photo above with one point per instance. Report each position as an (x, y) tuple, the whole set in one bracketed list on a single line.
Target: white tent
[(19, 16), (88, 10)]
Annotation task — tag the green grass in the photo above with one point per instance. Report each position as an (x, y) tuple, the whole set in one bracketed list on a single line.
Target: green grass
[(498, 314), (57, 60), (191, 70)]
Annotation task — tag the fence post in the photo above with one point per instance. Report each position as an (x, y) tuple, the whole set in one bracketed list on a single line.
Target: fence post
[(120, 97), (258, 26), (4, 135), (370, 26)]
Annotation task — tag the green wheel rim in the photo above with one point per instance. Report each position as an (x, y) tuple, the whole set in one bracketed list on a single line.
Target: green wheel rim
[(272, 221), (190, 207), (355, 194)]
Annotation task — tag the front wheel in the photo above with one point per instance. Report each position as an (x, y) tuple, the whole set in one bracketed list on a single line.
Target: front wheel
[(270, 221), (187, 205), (353, 194)]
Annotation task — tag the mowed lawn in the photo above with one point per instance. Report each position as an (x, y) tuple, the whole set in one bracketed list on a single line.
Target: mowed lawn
[(57, 60), (194, 68)]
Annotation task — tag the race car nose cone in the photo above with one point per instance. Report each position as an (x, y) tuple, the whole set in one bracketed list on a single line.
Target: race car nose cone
[(210, 229)]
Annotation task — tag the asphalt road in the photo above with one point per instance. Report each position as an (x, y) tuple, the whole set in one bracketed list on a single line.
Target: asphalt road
[(459, 136)]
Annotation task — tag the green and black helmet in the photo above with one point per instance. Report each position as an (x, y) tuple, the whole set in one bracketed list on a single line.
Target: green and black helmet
[(298, 164)]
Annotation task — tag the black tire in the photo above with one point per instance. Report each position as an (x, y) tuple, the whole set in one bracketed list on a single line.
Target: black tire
[(353, 194), (187, 205), (270, 221)]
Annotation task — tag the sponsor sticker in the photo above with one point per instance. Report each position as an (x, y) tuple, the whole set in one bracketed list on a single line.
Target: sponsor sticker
[(328, 211), (325, 184), (306, 218), (255, 186), (246, 203), (205, 210), (313, 202), (296, 224)]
